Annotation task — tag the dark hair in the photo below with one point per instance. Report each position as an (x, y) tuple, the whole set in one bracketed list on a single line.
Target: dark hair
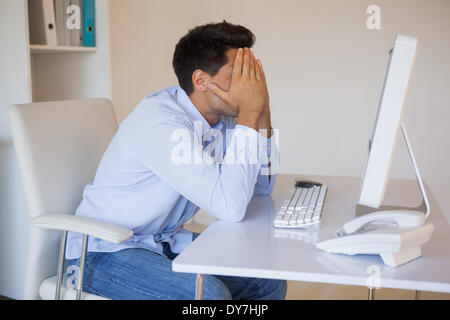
[(204, 48)]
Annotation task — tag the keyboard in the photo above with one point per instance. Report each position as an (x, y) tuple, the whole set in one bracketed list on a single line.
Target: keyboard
[(302, 208)]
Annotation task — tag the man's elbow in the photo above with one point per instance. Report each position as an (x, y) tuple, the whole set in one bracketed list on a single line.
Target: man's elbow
[(236, 218), (233, 213)]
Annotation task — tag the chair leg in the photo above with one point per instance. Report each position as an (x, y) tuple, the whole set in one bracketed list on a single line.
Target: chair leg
[(82, 263), (62, 253)]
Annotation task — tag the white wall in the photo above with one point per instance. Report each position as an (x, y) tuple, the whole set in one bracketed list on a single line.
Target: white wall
[(143, 37), (324, 69), (15, 87)]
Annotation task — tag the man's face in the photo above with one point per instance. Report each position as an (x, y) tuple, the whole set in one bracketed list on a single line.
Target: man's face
[(223, 80)]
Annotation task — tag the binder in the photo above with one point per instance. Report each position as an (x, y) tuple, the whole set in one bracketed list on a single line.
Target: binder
[(60, 25), (75, 34), (89, 23), (67, 31), (42, 22), (50, 22)]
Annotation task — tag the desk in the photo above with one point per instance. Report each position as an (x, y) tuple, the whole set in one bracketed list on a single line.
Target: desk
[(253, 248)]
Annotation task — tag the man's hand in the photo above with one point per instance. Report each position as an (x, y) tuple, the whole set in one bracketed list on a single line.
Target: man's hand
[(264, 119), (248, 90)]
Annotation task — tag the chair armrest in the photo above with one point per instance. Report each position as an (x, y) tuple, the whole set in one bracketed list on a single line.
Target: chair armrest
[(99, 229)]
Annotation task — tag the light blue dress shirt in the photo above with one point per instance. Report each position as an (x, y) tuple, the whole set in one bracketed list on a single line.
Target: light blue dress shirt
[(150, 180)]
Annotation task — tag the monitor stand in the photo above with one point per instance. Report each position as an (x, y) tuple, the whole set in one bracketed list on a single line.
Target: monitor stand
[(424, 207)]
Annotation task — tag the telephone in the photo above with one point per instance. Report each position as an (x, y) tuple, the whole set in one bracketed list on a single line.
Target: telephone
[(396, 235)]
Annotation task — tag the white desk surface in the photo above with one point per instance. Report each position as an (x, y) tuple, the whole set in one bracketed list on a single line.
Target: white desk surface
[(253, 248)]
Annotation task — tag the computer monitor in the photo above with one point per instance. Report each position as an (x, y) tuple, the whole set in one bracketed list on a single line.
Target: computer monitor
[(388, 120)]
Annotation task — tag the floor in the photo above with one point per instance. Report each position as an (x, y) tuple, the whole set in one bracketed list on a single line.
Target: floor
[(317, 291)]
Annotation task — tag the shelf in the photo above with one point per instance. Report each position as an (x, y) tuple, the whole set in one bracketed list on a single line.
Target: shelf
[(37, 48)]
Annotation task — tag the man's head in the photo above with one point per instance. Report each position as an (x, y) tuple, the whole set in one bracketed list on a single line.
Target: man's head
[(206, 55)]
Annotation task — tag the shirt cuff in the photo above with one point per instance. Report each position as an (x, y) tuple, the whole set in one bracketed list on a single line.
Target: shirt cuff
[(271, 166)]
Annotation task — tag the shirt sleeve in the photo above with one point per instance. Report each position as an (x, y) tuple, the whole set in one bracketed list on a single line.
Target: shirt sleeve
[(269, 168), (224, 189)]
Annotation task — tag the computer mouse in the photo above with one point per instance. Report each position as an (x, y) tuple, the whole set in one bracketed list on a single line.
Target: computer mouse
[(300, 183)]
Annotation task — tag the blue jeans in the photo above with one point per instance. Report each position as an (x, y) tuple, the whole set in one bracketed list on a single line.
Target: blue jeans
[(140, 274)]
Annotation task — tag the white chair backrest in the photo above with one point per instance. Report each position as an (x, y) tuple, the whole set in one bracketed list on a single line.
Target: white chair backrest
[(59, 146)]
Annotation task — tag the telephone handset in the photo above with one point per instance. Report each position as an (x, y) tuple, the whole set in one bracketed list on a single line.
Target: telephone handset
[(402, 218), (396, 235)]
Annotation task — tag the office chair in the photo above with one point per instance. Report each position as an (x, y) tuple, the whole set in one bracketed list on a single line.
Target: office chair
[(59, 146)]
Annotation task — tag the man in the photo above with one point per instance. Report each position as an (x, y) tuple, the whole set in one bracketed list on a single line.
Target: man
[(160, 168)]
